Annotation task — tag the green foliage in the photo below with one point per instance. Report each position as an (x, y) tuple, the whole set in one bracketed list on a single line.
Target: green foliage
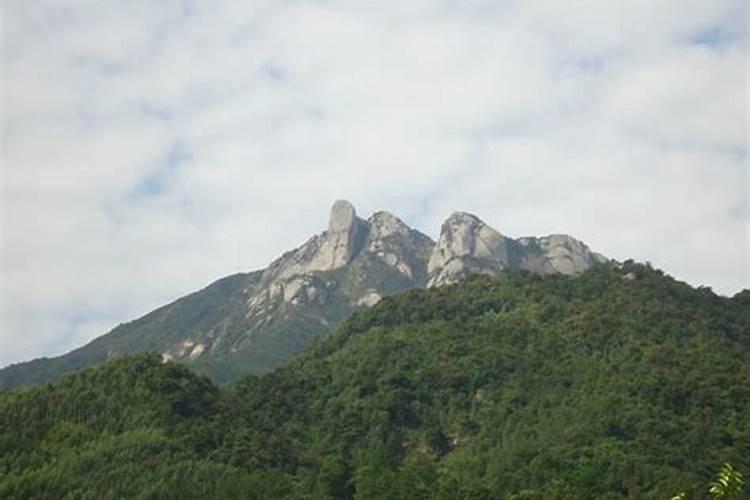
[(728, 484), (516, 386)]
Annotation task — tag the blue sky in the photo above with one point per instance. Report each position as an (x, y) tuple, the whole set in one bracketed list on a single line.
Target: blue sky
[(152, 147)]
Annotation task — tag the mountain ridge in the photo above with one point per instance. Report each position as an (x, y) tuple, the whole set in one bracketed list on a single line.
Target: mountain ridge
[(253, 322)]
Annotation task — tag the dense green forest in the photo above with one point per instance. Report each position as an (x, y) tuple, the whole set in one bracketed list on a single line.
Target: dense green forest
[(618, 383)]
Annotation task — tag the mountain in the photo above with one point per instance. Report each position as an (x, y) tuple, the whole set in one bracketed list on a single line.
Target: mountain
[(253, 322), (617, 383)]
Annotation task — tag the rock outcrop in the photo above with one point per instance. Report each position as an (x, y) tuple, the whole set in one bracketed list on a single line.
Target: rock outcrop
[(330, 250), (398, 246), (556, 253), (344, 238), (469, 246), (466, 246)]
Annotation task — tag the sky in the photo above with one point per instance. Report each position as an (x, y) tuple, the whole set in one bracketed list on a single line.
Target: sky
[(151, 147)]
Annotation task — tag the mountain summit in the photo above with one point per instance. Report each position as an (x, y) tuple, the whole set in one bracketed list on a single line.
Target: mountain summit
[(469, 246), (253, 322)]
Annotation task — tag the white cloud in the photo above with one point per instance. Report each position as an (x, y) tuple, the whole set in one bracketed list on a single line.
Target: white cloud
[(151, 148), (689, 96)]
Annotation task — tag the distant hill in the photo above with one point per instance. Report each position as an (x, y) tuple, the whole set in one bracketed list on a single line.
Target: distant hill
[(617, 383), (251, 323)]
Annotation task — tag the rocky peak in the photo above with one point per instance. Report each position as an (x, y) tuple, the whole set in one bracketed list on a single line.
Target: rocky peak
[(382, 255), (466, 245), (330, 250), (343, 216), (557, 253), (383, 224), (344, 237), (402, 248)]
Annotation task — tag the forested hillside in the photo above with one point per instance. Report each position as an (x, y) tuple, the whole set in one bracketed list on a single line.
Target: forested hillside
[(618, 383)]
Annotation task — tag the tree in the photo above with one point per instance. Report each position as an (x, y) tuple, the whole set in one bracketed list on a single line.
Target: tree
[(728, 485)]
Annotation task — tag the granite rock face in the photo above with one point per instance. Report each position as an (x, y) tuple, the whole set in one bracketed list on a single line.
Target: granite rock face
[(343, 239), (330, 250), (398, 246), (468, 246), (556, 253)]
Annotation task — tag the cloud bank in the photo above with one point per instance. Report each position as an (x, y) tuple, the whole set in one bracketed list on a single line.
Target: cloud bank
[(149, 148)]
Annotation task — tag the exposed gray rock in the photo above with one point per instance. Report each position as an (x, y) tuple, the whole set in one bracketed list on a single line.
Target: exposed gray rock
[(397, 245), (343, 217), (304, 289), (343, 239), (466, 246), (369, 299), (330, 250), (556, 253), (384, 224)]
